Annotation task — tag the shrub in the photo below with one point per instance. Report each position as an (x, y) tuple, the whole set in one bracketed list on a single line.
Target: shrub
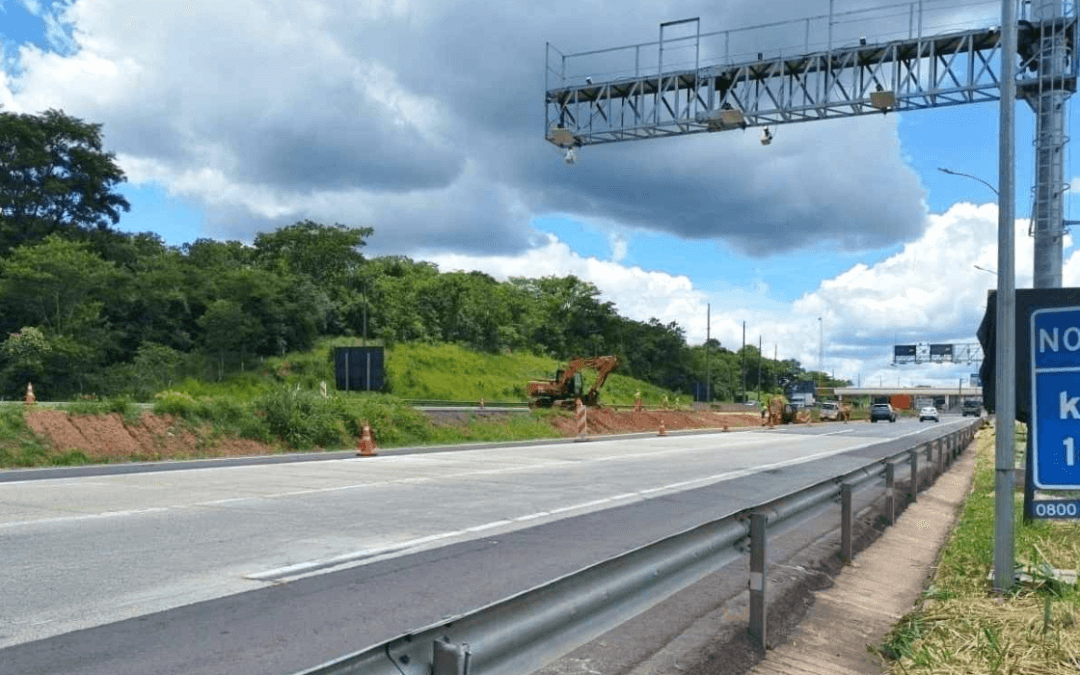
[(175, 403), (301, 418)]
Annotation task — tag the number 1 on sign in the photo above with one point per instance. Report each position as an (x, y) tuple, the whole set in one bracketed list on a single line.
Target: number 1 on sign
[(1070, 452)]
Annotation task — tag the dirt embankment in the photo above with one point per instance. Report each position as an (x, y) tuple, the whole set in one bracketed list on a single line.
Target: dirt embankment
[(110, 437)]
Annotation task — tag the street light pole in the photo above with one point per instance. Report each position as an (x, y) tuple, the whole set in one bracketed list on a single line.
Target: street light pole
[(968, 175)]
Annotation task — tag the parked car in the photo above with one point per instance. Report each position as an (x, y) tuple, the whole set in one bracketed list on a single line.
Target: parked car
[(928, 413), (830, 410), (882, 411)]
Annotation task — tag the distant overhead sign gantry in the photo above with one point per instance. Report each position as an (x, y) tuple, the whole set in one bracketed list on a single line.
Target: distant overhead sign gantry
[(937, 353)]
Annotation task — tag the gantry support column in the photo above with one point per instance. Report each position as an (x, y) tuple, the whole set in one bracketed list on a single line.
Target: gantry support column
[(1048, 97)]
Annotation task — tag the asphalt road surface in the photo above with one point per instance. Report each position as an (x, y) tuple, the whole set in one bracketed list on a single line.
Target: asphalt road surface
[(276, 568)]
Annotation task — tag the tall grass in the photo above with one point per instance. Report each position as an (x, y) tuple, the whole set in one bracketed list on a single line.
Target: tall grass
[(20, 447), (963, 627), (419, 372)]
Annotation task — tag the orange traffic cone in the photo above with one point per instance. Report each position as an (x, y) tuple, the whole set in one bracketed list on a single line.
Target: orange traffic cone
[(662, 431), (366, 447)]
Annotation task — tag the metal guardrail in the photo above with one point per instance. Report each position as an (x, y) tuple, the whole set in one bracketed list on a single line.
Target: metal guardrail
[(433, 403), (524, 632)]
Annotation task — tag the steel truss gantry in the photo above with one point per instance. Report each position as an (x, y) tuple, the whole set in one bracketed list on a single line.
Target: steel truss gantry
[(914, 73), (924, 72)]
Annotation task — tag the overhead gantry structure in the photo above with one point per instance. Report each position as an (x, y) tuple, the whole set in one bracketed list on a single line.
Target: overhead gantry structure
[(631, 94)]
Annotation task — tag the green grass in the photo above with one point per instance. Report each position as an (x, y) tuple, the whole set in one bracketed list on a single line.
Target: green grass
[(961, 626), (278, 402), (20, 447), (420, 372), (121, 405)]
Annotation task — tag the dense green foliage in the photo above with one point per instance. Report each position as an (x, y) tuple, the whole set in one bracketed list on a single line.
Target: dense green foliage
[(85, 309)]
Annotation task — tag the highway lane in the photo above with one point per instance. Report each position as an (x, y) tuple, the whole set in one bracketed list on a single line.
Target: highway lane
[(79, 553)]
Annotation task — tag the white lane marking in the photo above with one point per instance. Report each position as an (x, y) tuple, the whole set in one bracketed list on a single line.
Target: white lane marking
[(465, 474), (401, 548)]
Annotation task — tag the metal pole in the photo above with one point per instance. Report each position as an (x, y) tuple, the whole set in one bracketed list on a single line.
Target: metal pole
[(759, 367), (846, 523), (821, 345), (742, 362), (914, 476), (758, 558), (1005, 382), (708, 334), (890, 492), (1049, 104)]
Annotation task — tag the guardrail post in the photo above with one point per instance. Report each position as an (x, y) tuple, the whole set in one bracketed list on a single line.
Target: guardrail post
[(757, 577), (914, 475), (845, 522), (890, 492), (448, 658)]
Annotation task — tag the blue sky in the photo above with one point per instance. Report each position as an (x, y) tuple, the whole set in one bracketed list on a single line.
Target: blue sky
[(234, 118)]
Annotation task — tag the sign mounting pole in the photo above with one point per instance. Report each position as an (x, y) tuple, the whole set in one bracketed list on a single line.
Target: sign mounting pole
[(1004, 385)]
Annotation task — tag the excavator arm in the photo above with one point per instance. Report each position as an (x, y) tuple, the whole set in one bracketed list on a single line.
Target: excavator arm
[(603, 365), (561, 389)]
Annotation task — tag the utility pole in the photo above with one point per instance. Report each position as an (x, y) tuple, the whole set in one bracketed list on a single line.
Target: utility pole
[(821, 349), (708, 373), (759, 366), (742, 362)]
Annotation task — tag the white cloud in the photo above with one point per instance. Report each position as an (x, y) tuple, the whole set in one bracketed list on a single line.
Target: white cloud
[(619, 246), (637, 293), (930, 291), (256, 110)]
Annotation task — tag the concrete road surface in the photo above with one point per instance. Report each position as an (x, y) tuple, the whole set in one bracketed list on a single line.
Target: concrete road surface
[(329, 557)]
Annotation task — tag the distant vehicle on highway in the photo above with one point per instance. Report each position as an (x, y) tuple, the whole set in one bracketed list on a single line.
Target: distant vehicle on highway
[(928, 413), (882, 411), (972, 407), (830, 410)]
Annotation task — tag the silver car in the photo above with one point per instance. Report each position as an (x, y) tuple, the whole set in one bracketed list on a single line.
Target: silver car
[(928, 413)]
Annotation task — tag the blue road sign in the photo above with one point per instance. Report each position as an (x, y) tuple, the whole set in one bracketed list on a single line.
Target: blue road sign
[(1055, 398)]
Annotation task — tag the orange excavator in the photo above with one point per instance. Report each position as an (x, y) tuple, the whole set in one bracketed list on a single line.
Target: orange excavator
[(567, 386)]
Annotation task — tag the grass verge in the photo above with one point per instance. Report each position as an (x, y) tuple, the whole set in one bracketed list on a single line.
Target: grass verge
[(961, 626)]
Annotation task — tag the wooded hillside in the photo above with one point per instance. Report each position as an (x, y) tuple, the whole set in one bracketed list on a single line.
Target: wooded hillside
[(86, 309)]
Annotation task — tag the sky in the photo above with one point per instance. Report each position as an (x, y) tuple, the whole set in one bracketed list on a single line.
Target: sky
[(424, 119)]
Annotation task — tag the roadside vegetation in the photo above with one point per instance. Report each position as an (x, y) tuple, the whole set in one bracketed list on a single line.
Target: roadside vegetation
[(235, 337), (961, 626)]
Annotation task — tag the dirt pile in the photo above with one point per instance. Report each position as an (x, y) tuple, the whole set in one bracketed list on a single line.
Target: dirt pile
[(608, 421), (111, 438)]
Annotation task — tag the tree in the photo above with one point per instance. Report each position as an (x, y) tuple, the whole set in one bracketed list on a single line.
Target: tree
[(226, 329), (326, 254), (54, 176), (23, 357), (57, 284)]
